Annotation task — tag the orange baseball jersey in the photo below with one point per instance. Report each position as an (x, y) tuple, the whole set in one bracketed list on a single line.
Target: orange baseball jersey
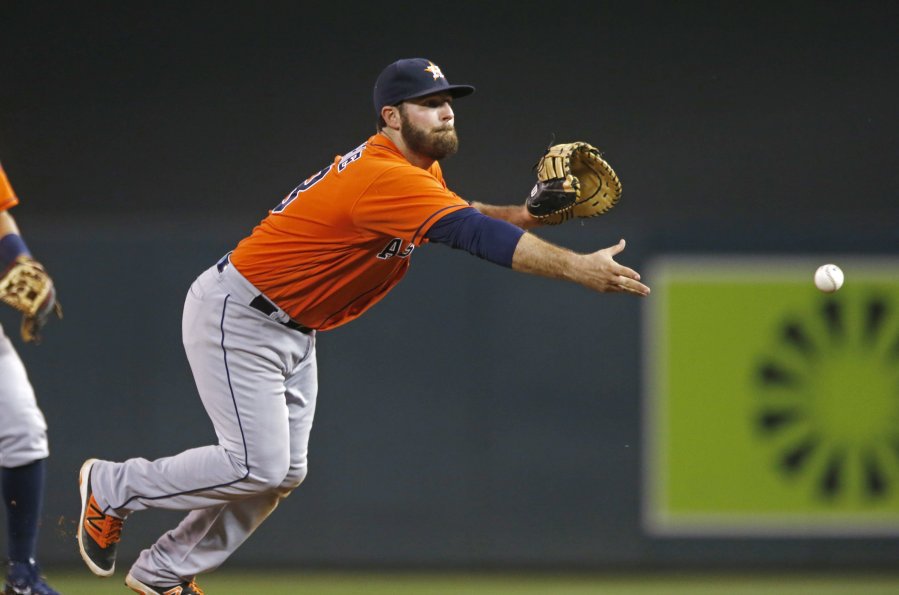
[(7, 196), (342, 239)]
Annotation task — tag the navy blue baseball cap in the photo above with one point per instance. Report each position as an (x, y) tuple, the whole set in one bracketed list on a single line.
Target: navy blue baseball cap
[(411, 78)]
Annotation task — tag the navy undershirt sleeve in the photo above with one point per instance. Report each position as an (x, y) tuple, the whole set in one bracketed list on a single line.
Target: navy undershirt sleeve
[(11, 247), (488, 238)]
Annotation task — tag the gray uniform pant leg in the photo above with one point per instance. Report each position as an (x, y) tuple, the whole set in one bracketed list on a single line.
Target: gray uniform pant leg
[(23, 430), (257, 380), (207, 537)]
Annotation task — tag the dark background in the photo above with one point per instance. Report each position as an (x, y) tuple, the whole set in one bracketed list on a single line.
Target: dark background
[(458, 425)]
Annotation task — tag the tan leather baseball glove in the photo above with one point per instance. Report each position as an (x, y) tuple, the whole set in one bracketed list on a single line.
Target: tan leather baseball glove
[(27, 287), (573, 180)]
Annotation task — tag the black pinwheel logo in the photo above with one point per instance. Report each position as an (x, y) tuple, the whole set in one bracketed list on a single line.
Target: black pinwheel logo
[(828, 399)]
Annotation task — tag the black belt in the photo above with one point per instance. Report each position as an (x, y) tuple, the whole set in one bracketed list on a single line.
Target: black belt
[(223, 262), (264, 305)]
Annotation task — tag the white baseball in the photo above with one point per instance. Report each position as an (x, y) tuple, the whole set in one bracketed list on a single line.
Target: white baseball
[(829, 278)]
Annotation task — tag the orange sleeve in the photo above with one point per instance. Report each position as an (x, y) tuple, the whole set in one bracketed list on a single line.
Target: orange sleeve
[(7, 196), (404, 202)]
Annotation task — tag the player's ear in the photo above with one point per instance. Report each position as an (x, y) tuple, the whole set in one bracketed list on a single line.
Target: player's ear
[(391, 116)]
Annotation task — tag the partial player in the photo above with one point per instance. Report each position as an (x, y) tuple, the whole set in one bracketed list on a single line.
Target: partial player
[(26, 286)]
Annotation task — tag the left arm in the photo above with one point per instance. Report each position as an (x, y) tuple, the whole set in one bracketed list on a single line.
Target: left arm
[(514, 214), (7, 224), (26, 285), (11, 243)]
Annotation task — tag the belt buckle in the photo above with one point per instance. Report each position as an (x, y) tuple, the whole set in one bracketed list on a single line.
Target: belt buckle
[(279, 315), (223, 262)]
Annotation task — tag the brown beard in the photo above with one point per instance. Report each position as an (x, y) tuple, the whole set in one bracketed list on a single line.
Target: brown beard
[(436, 144)]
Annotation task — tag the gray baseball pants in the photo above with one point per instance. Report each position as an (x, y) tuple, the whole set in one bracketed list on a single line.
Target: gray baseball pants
[(257, 380), (23, 430)]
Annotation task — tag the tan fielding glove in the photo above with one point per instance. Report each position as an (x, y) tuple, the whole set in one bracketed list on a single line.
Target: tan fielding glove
[(27, 287), (573, 180)]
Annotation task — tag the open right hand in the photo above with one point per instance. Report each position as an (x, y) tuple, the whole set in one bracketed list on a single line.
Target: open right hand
[(599, 271)]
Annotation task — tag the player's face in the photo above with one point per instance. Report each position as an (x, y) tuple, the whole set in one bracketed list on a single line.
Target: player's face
[(427, 125)]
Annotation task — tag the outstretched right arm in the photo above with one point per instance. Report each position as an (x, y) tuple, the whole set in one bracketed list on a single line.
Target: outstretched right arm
[(507, 245), (597, 271)]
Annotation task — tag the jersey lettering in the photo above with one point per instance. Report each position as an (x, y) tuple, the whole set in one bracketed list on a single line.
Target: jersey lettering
[(316, 178), (393, 249), (306, 185), (350, 157)]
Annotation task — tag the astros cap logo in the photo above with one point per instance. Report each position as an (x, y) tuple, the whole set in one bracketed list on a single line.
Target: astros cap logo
[(408, 78), (434, 70)]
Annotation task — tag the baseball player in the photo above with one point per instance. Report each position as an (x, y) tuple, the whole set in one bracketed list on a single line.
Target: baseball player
[(329, 251), (23, 431)]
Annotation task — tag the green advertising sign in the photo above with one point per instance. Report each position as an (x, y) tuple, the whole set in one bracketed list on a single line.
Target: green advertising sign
[(771, 408)]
